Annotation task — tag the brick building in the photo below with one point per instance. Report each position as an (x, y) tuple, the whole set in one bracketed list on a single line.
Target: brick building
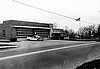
[(21, 29)]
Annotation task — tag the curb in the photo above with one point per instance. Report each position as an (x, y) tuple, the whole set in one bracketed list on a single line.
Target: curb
[(1, 47), (83, 39)]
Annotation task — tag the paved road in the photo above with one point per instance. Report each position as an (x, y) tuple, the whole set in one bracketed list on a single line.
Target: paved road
[(49, 55)]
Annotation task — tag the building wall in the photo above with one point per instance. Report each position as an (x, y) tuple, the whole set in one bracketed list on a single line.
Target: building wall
[(4, 31), (13, 33), (7, 32), (25, 23), (1, 32), (57, 30)]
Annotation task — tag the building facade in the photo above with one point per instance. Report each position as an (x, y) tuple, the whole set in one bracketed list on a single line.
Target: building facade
[(21, 29), (56, 30)]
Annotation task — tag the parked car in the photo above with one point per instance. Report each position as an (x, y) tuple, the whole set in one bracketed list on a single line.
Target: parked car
[(35, 38)]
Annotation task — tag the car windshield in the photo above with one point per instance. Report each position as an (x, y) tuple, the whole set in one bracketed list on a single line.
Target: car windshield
[(36, 36)]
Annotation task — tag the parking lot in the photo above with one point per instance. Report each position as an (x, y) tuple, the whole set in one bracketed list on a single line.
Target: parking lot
[(46, 43), (48, 54)]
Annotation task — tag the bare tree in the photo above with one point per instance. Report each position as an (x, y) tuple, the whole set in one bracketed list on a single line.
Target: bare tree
[(55, 25), (88, 32), (66, 30), (98, 31)]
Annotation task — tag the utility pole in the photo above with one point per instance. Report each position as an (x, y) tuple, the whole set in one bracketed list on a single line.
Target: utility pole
[(80, 27)]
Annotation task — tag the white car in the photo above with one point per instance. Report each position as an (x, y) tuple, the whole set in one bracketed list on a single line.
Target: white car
[(35, 38)]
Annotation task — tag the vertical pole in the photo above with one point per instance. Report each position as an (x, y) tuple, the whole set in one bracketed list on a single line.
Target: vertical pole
[(80, 23), (80, 28)]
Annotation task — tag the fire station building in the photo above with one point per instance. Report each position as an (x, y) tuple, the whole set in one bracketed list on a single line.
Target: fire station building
[(21, 29)]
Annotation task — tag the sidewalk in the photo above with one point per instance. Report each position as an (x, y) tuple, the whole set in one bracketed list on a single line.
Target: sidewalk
[(7, 44), (3, 40)]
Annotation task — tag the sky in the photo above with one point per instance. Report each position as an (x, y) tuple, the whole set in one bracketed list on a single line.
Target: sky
[(88, 10)]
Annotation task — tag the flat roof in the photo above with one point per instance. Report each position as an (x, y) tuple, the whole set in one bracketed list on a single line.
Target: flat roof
[(30, 27), (30, 22)]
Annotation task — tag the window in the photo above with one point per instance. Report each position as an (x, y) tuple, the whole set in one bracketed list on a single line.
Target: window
[(3, 33), (24, 32)]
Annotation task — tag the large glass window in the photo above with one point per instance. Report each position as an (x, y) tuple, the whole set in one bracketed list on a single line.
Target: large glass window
[(42, 32), (24, 32)]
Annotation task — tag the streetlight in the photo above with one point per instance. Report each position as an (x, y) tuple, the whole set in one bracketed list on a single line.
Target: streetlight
[(78, 19)]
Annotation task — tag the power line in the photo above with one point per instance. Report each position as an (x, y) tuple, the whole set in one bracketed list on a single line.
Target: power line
[(87, 22), (51, 12), (44, 10)]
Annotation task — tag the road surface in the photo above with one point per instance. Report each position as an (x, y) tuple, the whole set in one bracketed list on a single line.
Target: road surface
[(49, 54)]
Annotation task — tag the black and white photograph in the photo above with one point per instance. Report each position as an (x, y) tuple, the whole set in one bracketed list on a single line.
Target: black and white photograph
[(49, 34)]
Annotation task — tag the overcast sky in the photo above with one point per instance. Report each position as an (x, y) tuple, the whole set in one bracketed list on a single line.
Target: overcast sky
[(88, 10)]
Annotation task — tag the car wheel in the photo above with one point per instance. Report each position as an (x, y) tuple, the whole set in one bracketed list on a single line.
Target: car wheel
[(37, 39)]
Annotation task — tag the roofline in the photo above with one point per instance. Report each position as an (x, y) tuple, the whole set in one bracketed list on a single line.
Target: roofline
[(29, 27), (29, 21)]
